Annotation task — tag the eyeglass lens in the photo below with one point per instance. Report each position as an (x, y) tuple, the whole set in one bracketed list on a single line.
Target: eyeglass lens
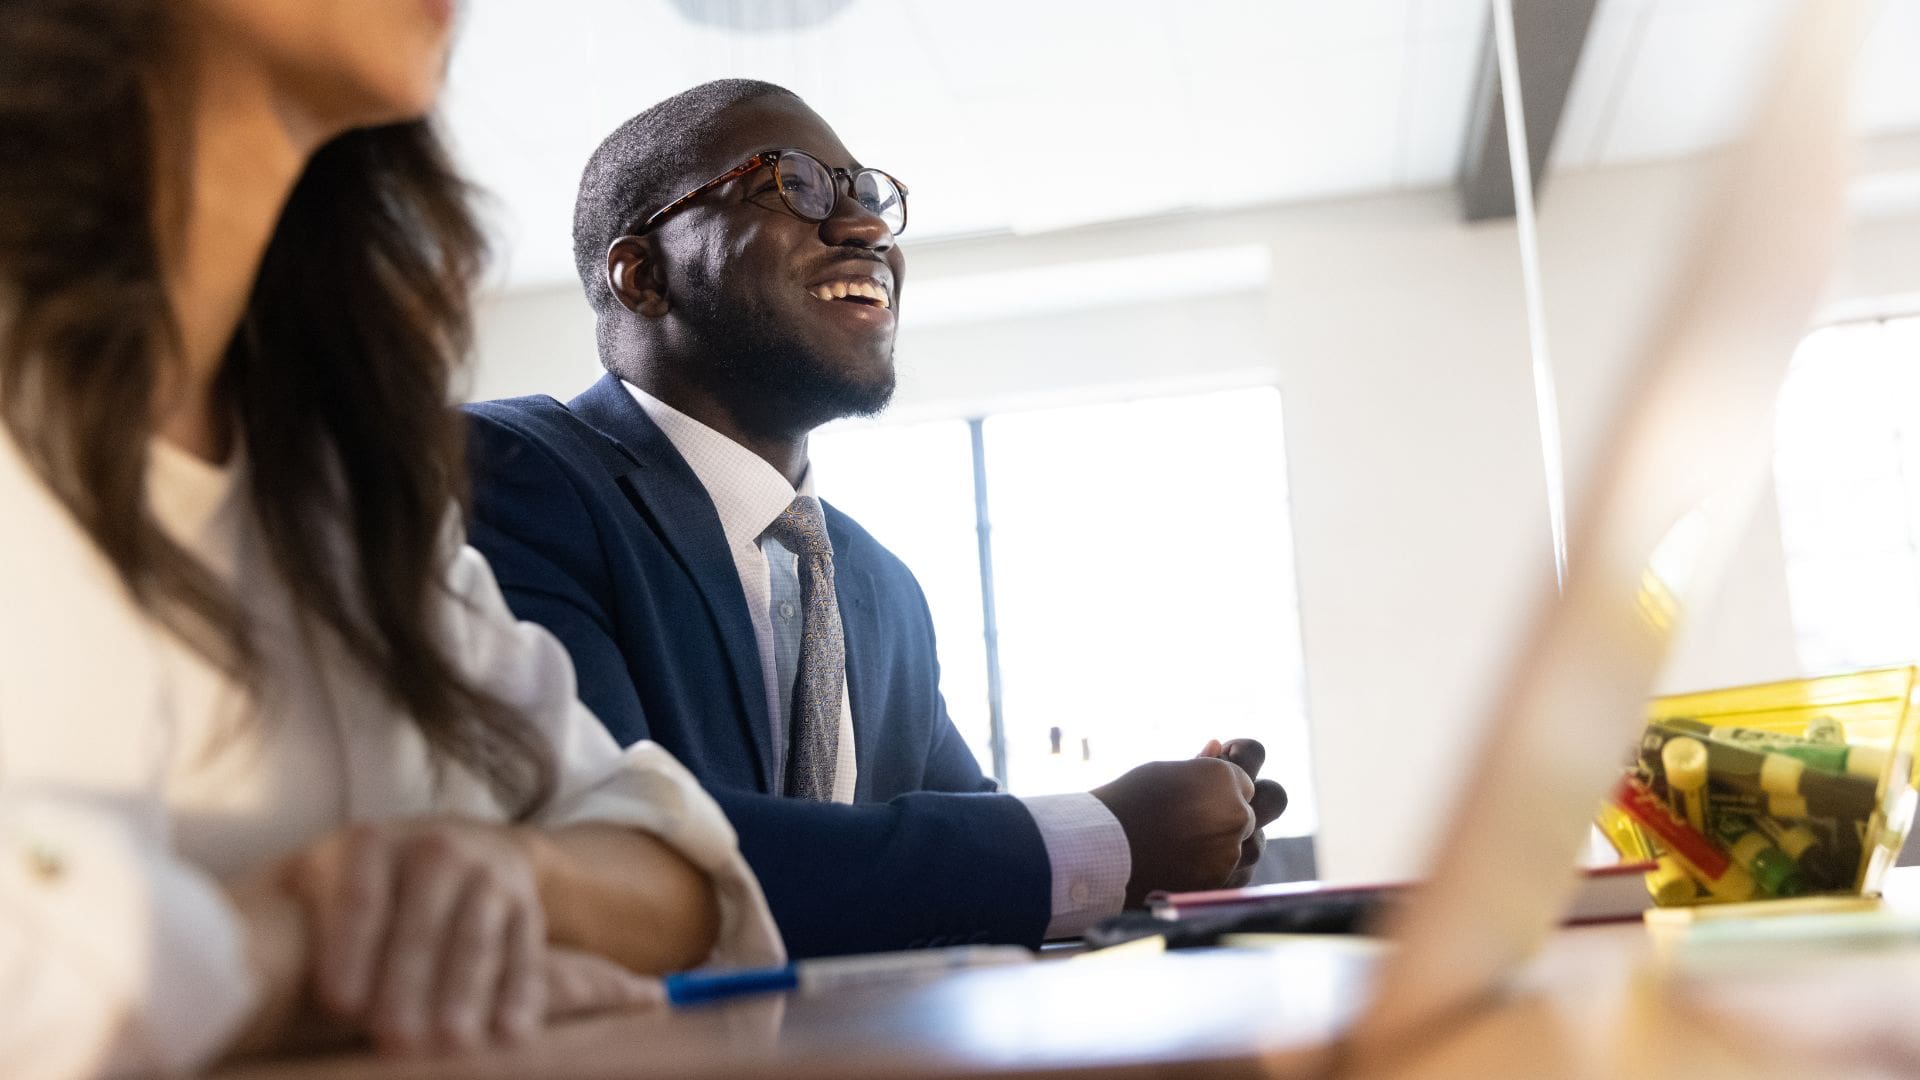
[(810, 189)]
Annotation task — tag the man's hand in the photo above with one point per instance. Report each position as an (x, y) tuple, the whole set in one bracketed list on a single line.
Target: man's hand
[(1194, 824), (1269, 801)]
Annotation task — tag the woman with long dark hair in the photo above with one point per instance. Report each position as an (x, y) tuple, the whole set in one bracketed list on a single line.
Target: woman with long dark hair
[(274, 754)]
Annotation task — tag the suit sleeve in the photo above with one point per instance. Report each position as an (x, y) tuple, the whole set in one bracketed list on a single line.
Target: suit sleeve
[(545, 551), (924, 870)]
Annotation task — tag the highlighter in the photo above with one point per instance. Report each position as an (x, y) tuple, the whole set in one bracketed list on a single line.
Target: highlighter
[(1787, 806), (1772, 869), (1862, 761), (1712, 868), (1671, 885), (1801, 844), (1685, 763), (1828, 794), (1753, 803)]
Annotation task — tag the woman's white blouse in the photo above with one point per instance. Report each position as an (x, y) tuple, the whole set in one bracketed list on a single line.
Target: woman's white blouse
[(133, 775)]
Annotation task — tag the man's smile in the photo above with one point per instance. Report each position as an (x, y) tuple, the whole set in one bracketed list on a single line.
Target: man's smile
[(865, 285), (858, 290)]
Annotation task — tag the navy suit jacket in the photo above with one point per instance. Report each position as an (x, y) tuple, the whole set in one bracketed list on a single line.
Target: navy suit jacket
[(599, 530)]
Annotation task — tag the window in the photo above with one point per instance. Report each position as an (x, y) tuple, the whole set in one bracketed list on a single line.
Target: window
[(1141, 579), (911, 486), (1847, 470)]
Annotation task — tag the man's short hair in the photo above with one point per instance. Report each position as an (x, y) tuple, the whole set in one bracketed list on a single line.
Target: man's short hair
[(641, 166)]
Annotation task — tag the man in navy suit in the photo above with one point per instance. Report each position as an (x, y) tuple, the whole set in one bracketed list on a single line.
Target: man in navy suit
[(746, 278)]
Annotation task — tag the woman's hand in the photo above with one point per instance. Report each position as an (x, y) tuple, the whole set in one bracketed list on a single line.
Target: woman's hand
[(579, 983), (430, 934), (426, 933)]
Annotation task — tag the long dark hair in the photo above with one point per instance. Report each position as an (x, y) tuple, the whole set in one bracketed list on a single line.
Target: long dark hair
[(339, 374)]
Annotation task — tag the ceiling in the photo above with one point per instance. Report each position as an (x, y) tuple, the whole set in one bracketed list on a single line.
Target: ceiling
[(1664, 78), (1024, 116)]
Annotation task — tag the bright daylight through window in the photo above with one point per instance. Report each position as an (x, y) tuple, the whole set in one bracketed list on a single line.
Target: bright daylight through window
[(1847, 468), (1142, 574)]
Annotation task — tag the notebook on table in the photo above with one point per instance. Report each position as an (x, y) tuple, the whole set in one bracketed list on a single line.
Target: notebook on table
[(1611, 893)]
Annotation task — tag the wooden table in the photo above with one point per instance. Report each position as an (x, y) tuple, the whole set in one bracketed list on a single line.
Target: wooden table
[(1599, 1002)]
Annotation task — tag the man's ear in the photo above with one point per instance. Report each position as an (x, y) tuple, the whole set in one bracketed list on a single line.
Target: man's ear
[(635, 276)]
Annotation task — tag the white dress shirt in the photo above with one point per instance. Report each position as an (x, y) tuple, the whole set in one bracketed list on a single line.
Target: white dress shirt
[(134, 775), (1086, 846)]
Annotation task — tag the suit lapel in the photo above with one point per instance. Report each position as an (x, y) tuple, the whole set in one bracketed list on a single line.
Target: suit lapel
[(664, 489), (860, 628)]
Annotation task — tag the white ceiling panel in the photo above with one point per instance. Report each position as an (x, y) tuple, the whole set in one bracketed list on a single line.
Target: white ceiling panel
[(1315, 25), (1666, 78), (1613, 39), (1081, 160), (1309, 109), (998, 113), (994, 48), (1692, 82), (1320, 126), (1438, 97), (1285, 27), (1030, 115), (1448, 16)]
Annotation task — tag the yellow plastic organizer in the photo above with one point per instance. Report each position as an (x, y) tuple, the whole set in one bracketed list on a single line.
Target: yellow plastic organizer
[(1873, 708)]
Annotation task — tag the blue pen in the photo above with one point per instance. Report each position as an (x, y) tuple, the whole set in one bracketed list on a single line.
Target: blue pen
[(690, 987)]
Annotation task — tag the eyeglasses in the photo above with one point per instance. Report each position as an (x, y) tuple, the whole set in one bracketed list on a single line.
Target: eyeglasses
[(810, 189)]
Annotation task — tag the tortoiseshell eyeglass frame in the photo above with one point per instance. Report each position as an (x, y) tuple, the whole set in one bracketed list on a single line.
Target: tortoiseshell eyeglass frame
[(772, 158)]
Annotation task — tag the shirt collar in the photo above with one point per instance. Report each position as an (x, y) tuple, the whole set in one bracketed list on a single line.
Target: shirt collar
[(747, 492), (187, 494)]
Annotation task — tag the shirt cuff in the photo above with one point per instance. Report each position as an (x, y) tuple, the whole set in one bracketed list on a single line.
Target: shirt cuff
[(1087, 850)]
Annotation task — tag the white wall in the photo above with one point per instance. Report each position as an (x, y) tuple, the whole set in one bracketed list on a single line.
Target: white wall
[(1398, 339), (534, 342)]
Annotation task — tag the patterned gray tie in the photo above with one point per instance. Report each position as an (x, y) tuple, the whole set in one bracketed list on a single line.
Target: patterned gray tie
[(813, 740)]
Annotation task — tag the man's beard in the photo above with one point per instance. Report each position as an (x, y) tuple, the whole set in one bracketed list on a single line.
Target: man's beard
[(775, 383)]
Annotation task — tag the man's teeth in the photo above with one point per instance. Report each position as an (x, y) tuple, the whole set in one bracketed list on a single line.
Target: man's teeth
[(840, 290)]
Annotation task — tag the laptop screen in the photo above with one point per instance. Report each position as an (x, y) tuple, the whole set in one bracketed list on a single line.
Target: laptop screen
[(1696, 424)]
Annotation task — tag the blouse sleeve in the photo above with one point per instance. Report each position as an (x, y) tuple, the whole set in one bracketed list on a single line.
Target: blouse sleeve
[(642, 786), (114, 958), (115, 953)]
